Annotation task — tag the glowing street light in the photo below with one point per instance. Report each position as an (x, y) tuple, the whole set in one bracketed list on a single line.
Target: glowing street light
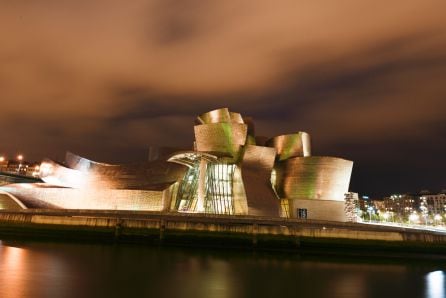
[(2, 163), (20, 159), (438, 218), (413, 218), (370, 211)]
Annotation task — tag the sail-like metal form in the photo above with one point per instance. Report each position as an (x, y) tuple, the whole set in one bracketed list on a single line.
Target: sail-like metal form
[(257, 165), (58, 175), (10, 202), (85, 173), (221, 137), (313, 178), (291, 145)]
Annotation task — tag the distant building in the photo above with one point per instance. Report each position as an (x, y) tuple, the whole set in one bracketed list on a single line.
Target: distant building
[(402, 205), (435, 203), (22, 168), (352, 208)]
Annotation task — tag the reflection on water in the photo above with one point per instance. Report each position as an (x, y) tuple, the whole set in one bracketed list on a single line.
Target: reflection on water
[(435, 284), (12, 262), (86, 270), (28, 273)]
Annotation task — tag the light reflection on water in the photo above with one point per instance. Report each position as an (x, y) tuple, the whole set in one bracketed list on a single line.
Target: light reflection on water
[(30, 269), (435, 286), (12, 262)]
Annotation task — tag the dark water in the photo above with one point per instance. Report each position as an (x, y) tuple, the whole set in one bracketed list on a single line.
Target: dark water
[(36, 269)]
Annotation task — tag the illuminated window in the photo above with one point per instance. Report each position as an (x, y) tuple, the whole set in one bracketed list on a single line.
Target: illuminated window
[(284, 208), (218, 190)]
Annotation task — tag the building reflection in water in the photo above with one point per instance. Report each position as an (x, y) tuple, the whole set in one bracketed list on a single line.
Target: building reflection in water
[(13, 261), (435, 284), (30, 273)]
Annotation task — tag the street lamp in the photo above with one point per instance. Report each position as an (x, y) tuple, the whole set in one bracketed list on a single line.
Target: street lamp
[(20, 159), (424, 212), (370, 210), (438, 218), (413, 218), (2, 161)]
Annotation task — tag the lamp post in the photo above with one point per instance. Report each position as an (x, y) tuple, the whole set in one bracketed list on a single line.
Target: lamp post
[(370, 210), (2, 161), (413, 218), (19, 159), (424, 213), (437, 219)]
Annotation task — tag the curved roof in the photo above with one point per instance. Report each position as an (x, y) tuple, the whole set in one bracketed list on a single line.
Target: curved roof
[(190, 158), (80, 163), (55, 174), (10, 202)]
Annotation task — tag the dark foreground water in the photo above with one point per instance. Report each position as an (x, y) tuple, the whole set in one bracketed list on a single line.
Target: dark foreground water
[(36, 269)]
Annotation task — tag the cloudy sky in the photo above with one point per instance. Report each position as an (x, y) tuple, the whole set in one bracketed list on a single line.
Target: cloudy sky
[(106, 79)]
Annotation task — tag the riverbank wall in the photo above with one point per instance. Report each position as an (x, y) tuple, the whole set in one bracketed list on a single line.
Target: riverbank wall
[(219, 231)]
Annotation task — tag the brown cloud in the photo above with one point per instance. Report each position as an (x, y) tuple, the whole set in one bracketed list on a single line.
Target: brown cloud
[(92, 75)]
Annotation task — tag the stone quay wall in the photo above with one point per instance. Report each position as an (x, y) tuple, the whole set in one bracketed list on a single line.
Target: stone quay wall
[(195, 229)]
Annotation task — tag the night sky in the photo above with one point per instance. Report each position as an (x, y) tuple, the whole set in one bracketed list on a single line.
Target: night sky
[(106, 79)]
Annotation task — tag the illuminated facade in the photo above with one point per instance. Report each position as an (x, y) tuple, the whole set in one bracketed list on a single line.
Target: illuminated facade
[(229, 171)]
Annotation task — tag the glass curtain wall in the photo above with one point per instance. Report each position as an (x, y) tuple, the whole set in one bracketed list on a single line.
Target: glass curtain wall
[(218, 189)]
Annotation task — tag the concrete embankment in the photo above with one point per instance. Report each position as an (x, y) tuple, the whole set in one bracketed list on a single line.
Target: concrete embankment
[(221, 231)]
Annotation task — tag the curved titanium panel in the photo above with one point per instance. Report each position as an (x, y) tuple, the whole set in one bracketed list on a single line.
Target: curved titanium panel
[(216, 116), (156, 175), (80, 163), (10, 202), (55, 174), (190, 158), (236, 118), (220, 116), (220, 137), (50, 197), (318, 178), (291, 145), (256, 170)]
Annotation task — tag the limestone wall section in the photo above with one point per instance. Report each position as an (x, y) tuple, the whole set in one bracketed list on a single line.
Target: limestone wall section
[(250, 227)]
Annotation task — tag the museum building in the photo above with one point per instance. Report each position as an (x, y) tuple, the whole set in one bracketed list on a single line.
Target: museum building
[(228, 170)]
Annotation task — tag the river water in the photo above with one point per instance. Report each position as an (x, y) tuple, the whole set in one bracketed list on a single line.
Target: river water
[(46, 269)]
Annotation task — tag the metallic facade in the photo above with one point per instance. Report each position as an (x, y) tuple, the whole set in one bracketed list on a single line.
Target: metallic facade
[(313, 178), (230, 171), (256, 168), (83, 173), (9, 202), (291, 145), (51, 197), (225, 138)]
